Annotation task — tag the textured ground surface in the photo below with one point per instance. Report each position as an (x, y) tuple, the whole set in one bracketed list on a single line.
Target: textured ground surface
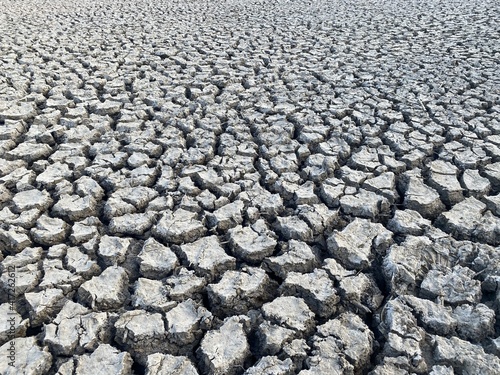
[(258, 187)]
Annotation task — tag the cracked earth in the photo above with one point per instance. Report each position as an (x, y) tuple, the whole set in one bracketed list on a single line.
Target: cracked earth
[(250, 187)]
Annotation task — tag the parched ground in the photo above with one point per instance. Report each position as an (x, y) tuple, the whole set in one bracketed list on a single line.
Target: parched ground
[(249, 187)]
